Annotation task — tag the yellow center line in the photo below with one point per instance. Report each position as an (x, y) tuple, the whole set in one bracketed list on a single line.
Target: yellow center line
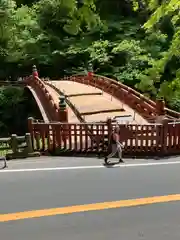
[(88, 207)]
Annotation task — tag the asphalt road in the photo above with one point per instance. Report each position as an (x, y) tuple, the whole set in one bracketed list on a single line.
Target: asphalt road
[(68, 182)]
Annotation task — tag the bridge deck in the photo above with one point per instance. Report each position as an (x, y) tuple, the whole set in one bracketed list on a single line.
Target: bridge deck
[(55, 95), (88, 105)]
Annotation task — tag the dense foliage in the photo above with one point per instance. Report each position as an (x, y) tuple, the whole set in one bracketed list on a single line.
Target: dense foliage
[(16, 105), (134, 41)]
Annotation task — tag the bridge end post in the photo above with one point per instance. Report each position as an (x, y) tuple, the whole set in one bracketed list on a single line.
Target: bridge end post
[(90, 73), (35, 71), (160, 107), (160, 111), (63, 113)]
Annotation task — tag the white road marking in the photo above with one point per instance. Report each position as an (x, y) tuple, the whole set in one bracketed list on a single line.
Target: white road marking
[(122, 165)]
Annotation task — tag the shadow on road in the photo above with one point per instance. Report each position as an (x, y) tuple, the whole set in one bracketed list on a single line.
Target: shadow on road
[(3, 159), (111, 165)]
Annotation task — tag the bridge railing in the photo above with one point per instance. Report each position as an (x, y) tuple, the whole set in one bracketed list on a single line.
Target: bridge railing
[(172, 113), (137, 101), (44, 96), (54, 111), (142, 104), (150, 139)]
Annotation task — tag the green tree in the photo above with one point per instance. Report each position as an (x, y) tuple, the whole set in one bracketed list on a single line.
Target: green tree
[(165, 72), (6, 11)]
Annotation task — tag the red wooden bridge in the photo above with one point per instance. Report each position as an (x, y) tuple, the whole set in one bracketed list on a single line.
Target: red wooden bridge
[(75, 111)]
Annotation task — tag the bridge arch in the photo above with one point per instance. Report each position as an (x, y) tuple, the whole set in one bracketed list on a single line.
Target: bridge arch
[(39, 104)]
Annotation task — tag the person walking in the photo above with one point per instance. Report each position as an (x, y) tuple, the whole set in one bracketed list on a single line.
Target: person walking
[(116, 145)]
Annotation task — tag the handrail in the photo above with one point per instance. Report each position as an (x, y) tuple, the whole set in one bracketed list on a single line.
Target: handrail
[(125, 94), (142, 104), (45, 97), (151, 102), (172, 113)]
